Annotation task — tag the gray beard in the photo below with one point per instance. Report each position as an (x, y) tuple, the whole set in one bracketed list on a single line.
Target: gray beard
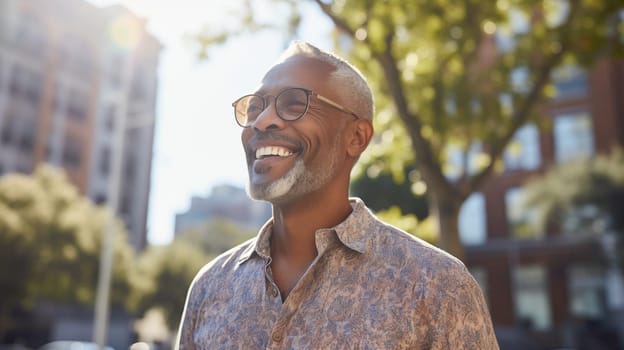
[(298, 181)]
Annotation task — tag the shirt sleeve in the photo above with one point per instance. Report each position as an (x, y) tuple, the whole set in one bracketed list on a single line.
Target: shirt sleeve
[(464, 321)]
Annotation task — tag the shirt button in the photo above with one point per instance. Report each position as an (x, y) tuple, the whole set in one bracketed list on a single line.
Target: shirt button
[(277, 337), (274, 292)]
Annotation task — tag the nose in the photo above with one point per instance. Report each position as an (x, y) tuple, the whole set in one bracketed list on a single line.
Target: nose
[(268, 119)]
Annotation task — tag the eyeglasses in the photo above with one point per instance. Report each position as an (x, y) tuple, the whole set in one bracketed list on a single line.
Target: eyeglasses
[(290, 104)]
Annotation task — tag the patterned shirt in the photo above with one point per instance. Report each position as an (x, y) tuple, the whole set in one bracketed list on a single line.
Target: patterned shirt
[(371, 286)]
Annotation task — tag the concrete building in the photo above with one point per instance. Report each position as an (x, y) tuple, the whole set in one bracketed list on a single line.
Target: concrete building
[(66, 68), (224, 202)]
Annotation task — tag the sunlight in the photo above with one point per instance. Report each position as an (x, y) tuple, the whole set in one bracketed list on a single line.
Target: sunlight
[(125, 32)]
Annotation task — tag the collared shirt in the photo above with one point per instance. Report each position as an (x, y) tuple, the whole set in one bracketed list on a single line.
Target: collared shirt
[(371, 286)]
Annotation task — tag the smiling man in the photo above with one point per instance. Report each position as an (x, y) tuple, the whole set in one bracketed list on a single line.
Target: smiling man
[(324, 272)]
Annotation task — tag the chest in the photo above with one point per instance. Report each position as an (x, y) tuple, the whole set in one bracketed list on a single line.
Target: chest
[(331, 306)]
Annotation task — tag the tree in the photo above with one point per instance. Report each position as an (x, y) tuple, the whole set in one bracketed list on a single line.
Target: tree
[(50, 237), (217, 235), (380, 191), (461, 75), (581, 196), (162, 278), (161, 267)]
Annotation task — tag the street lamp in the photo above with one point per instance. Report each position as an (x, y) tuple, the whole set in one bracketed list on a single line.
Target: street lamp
[(122, 125)]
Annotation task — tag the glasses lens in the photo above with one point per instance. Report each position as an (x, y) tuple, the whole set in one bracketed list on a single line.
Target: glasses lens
[(248, 108), (291, 104)]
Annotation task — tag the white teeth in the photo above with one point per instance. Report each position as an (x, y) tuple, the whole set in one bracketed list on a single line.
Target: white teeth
[(272, 151)]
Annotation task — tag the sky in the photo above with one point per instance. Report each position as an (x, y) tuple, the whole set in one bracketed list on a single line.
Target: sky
[(197, 142)]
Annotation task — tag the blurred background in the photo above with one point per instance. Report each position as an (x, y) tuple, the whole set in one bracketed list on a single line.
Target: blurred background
[(499, 135)]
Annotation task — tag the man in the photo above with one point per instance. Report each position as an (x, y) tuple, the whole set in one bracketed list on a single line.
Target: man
[(324, 272)]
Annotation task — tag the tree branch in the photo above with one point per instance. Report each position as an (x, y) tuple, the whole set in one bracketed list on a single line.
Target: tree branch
[(426, 160), (522, 114), (338, 22)]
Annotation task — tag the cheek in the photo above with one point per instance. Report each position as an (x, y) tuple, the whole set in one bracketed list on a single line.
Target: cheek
[(245, 136), (325, 143)]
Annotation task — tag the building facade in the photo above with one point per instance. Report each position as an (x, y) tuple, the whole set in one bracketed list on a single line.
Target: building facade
[(550, 285), (69, 73)]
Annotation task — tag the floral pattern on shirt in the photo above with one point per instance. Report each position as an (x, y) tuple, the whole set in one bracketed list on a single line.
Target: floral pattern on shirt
[(372, 286)]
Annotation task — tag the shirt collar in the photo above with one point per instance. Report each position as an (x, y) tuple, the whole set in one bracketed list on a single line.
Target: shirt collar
[(351, 232), (260, 245)]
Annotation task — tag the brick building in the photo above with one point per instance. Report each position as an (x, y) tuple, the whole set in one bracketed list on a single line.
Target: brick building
[(547, 288)]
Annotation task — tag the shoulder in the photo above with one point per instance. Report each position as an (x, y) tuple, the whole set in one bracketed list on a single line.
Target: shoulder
[(430, 271), (208, 286), (390, 240), (440, 284)]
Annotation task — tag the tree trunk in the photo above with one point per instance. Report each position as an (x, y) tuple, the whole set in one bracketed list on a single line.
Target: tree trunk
[(445, 210)]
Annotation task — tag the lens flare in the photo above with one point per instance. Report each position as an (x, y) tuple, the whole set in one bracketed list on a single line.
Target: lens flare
[(125, 31)]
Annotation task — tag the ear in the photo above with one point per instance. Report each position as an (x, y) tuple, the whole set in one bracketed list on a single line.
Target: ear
[(360, 134)]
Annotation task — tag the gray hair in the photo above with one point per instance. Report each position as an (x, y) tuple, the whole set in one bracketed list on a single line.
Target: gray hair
[(353, 89)]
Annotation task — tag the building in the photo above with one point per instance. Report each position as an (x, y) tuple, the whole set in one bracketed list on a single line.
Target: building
[(68, 70), (550, 285), (224, 202)]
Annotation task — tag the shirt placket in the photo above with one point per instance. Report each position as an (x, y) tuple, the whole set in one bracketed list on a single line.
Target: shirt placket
[(272, 288), (297, 295)]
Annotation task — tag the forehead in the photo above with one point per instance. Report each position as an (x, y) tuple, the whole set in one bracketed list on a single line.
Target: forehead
[(297, 71)]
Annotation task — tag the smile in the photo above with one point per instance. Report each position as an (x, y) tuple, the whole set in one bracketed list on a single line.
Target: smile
[(273, 151)]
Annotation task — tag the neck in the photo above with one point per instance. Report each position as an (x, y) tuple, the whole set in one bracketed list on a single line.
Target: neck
[(295, 223)]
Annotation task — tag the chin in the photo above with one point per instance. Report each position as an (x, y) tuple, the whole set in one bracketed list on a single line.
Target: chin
[(279, 190)]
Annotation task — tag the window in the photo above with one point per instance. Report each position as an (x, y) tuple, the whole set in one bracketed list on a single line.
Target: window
[(506, 104), (480, 275), (586, 288), (573, 136), (100, 199), (109, 117), (6, 137), (532, 305), (138, 90), (77, 106), (520, 80), (26, 84), (460, 160), (105, 155), (521, 221), (29, 35), (523, 152), (555, 12), (130, 167), (518, 24), (71, 151), (74, 55), (472, 226), (570, 81), (114, 71), (126, 202), (27, 138)]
